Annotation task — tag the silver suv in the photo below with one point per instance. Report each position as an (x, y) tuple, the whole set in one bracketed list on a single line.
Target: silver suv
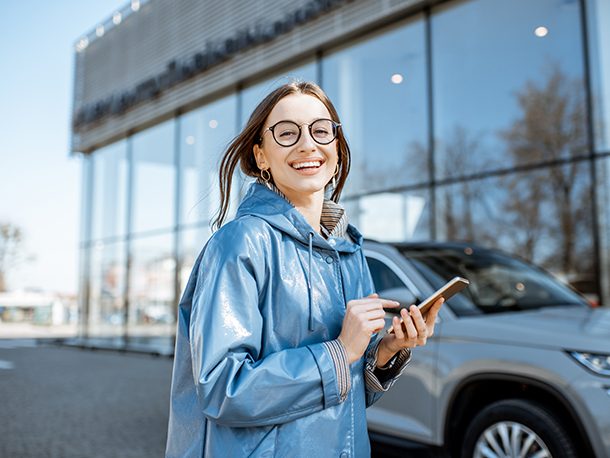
[(519, 365)]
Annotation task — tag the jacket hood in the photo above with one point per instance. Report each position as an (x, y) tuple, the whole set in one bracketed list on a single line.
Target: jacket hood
[(267, 204), (264, 203)]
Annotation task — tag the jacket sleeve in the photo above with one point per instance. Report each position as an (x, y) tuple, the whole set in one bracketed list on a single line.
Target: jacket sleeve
[(237, 386)]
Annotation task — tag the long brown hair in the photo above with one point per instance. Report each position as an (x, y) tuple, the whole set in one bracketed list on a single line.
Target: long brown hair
[(240, 151)]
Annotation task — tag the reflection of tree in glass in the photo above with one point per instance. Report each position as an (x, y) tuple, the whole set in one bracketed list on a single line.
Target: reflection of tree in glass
[(543, 215), (464, 153), (410, 168), (551, 127), (460, 151), (552, 123)]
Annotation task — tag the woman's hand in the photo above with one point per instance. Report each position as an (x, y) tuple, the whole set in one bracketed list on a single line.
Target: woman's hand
[(363, 318), (412, 332)]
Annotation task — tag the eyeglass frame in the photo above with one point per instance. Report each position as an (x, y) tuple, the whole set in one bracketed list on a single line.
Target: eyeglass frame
[(335, 124)]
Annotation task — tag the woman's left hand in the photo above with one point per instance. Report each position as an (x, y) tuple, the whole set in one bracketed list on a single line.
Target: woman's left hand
[(412, 332)]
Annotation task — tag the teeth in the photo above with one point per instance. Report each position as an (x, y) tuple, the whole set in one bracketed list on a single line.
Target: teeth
[(301, 165)]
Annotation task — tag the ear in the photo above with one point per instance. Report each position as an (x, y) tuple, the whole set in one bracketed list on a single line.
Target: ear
[(259, 156)]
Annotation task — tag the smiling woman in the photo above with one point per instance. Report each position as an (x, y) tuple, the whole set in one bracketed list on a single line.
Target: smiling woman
[(278, 349)]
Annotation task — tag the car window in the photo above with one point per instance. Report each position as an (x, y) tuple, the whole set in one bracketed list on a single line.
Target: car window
[(383, 277), (498, 282)]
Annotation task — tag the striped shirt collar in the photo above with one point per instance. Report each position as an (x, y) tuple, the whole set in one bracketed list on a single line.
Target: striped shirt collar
[(333, 221)]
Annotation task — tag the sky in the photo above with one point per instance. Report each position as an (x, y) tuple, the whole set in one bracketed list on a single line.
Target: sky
[(40, 183)]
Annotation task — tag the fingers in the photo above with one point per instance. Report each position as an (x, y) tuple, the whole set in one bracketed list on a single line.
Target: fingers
[(413, 330), (373, 299), (432, 314), (398, 329)]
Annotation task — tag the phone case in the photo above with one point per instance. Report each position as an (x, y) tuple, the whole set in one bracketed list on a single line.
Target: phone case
[(449, 289)]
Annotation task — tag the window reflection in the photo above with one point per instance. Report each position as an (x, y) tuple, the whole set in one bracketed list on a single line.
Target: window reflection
[(107, 294), (86, 199), (110, 191), (391, 216), (250, 98), (154, 178), (205, 133), (253, 95), (379, 89), (191, 244), (543, 216), (506, 94), (151, 286)]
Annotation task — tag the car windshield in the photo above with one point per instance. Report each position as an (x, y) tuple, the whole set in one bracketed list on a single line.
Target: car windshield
[(498, 282)]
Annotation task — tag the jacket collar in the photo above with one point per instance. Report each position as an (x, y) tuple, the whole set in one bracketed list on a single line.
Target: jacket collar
[(271, 205)]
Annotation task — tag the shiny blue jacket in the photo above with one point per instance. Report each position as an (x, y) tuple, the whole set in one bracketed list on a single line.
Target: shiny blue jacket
[(252, 377)]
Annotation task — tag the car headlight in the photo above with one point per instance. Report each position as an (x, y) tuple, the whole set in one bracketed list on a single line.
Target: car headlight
[(598, 363)]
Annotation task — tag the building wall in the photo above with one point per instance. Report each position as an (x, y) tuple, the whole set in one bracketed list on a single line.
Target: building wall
[(467, 120), (162, 31)]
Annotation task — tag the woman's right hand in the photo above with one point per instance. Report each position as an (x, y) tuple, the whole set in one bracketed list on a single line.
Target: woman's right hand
[(363, 318)]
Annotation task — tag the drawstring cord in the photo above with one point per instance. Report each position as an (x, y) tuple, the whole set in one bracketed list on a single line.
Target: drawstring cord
[(309, 281)]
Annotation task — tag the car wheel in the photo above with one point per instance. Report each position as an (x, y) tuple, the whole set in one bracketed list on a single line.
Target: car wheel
[(516, 427)]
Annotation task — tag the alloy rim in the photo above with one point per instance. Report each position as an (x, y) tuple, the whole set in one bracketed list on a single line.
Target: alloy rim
[(508, 439)]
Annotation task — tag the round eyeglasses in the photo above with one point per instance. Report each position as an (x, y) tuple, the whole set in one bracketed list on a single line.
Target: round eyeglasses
[(288, 133)]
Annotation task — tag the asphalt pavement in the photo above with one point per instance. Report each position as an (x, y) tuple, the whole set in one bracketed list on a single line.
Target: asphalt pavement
[(72, 403), (64, 402)]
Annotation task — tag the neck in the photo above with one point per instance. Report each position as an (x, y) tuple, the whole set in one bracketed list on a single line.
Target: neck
[(309, 205)]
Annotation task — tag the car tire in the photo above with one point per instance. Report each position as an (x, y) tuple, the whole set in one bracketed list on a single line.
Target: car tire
[(503, 427)]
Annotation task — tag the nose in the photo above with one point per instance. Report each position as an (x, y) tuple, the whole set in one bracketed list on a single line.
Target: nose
[(306, 142)]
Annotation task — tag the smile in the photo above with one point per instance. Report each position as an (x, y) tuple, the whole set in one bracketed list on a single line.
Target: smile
[(306, 165)]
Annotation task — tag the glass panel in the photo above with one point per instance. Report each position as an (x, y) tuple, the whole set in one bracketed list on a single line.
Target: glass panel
[(379, 89), (383, 277), (107, 294), (598, 22), (253, 95), (498, 283), (544, 216), (191, 243), (391, 216), (205, 133), (512, 91), (151, 287), (603, 210), (154, 178), (110, 191), (86, 193), (83, 290)]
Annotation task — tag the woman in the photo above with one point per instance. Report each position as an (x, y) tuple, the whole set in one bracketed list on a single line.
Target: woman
[(278, 349)]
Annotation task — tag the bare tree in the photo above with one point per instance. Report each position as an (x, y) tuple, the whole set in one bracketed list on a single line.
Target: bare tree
[(551, 127)]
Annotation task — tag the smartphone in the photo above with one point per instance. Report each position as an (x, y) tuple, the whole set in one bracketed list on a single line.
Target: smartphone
[(449, 289)]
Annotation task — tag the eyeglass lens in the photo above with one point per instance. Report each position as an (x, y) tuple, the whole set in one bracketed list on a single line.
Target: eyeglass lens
[(287, 133)]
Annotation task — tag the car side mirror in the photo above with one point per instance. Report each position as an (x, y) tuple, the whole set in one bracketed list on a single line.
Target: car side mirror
[(402, 295)]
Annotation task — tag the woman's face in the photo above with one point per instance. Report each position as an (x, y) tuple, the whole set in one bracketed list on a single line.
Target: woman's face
[(306, 167)]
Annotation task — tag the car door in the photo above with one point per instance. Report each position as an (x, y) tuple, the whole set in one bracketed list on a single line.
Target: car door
[(408, 409)]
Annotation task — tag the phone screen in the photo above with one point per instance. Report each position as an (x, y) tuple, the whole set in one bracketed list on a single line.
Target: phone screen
[(449, 289)]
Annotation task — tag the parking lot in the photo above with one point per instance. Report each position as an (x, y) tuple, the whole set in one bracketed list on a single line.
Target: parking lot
[(67, 402)]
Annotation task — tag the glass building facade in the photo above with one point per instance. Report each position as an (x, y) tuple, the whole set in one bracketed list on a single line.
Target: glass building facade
[(469, 120)]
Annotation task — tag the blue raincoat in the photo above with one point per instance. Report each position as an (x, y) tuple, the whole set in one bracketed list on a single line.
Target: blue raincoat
[(252, 377)]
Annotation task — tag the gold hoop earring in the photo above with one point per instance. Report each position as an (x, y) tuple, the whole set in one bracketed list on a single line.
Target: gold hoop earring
[(267, 177), (334, 175)]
